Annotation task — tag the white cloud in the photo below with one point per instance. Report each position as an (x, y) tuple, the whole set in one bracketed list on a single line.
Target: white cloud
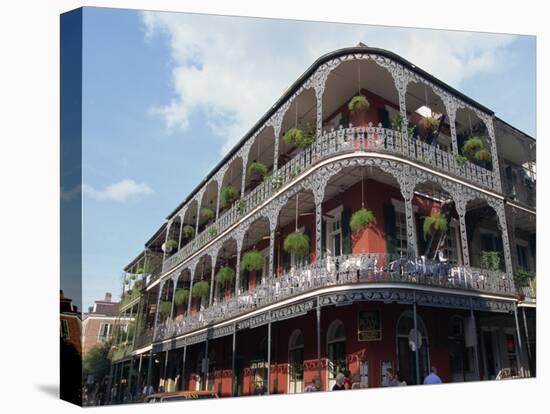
[(119, 191), (233, 69)]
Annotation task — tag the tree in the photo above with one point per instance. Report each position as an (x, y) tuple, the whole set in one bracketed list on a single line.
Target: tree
[(96, 362)]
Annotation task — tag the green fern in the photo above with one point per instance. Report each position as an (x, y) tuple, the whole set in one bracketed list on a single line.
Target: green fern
[(182, 296), (358, 103), (252, 261), (225, 274), (228, 195), (200, 289), (361, 219), (435, 222), (297, 243), (257, 169)]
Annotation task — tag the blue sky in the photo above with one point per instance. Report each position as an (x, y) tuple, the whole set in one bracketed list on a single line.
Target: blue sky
[(165, 95)]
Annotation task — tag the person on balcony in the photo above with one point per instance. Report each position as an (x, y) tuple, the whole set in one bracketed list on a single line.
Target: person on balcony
[(315, 385), (432, 378), (339, 386)]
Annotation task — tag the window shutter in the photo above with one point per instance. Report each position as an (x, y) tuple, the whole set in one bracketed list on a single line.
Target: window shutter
[(344, 120), (384, 117), (389, 229), (346, 231)]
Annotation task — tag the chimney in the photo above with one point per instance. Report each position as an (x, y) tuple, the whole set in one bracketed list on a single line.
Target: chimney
[(361, 44), (108, 297)]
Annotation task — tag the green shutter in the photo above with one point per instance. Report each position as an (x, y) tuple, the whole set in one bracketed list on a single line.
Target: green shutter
[(389, 229), (346, 231), (344, 120)]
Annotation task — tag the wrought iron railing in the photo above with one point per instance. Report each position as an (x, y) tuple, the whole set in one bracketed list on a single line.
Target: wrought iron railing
[(344, 270), (344, 140)]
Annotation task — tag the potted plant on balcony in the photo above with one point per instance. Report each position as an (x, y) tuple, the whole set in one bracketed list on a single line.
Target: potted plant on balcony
[(212, 231), (165, 307), (490, 260), (207, 214), (188, 231), (133, 276), (300, 138), (170, 245), (460, 159), (429, 123), (297, 243), (228, 195), (361, 219), (252, 261), (200, 289), (257, 170), (472, 144), (435, 222), (182, 296), (241, 204), (275, 180), (225, 274)]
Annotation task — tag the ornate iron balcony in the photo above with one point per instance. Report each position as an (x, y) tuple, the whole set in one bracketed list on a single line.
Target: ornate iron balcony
[(344, 270), (336, 142)]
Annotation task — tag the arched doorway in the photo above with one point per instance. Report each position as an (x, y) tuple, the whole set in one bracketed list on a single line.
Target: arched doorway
[(336, 347), (406, 363), (296, 362), (458, 358)]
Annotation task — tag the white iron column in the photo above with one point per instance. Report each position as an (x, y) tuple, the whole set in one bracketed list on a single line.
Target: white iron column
[(212, 280), (460, 205), (193, 265), (161, 286)]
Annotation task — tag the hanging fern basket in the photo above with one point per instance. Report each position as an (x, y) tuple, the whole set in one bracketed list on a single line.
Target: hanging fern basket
[(207, 213), (297, 243), (257, 169), (252, 261), (182, 296), (170, 245), (435, 222), (300, 138), (165, 307), (429, 122), (188, 231), (200, 289), (361, 219), (359, 103), (473, 144), (225, 274), (228, 195)]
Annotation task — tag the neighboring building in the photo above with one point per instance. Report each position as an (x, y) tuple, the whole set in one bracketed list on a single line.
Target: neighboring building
[(395, 293), (98, 324), (70, 323)]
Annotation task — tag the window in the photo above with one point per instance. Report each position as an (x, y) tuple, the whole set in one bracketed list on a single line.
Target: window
[(401, 232), (104, 332), (64, 329), (336, 345), (523, 260), (296, 362), (334, 232), (451, 251)]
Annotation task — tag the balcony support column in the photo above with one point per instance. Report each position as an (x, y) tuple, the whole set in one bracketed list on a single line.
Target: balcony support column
[(165, 240), (474, 331), (138, 380), (318, 231), (272, 234), (212, 280), (460, 205), (174, 285), (181, 231), (416, 356), (500, 208), (193, 265), (521, 356), (407, 183), (165, 370), (511, 220), (527, 341), (451, 107), (149, 370), (130, 368), (244, 158), (318, 332), (110, 383), (205, 365), (161, 286), (233, 349), (183, 367), (218, 199), (268, 388), (238, 267)]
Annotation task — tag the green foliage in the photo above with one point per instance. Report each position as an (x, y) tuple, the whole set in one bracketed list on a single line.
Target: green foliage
[(228, 195), (252, 261), (165, 307), (139, 271), (132, 277), (275, 180), (170, 245), (490, 260), (297, 243), (361, 219), (482, 154), (207, 213), (358, 103), (182, 296), (435, 222), (188, 231), (96, 362), (200, 289), (429, 122), (225, 274), (212, 231), (300, 138), (523, 278), (241, 204), (397, 121), (472, 144), (257, 169), (460, 159)]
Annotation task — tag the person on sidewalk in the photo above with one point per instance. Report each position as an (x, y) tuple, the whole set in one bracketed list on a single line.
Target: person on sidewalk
[(432, 378)]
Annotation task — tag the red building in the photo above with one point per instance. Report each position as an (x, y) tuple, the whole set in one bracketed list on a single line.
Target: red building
[(363, 226)]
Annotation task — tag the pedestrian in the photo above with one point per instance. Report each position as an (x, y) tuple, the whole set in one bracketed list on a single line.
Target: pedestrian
[(260, 389), (432, 378), (147, 390), (315, 385), (347, 379), (339, 386), (392, 378)]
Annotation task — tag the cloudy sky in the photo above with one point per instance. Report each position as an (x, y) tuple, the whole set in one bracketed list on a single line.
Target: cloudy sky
[(167, 94)]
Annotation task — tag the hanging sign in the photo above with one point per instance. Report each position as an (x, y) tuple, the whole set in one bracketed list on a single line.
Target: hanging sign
[(369, 327)]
